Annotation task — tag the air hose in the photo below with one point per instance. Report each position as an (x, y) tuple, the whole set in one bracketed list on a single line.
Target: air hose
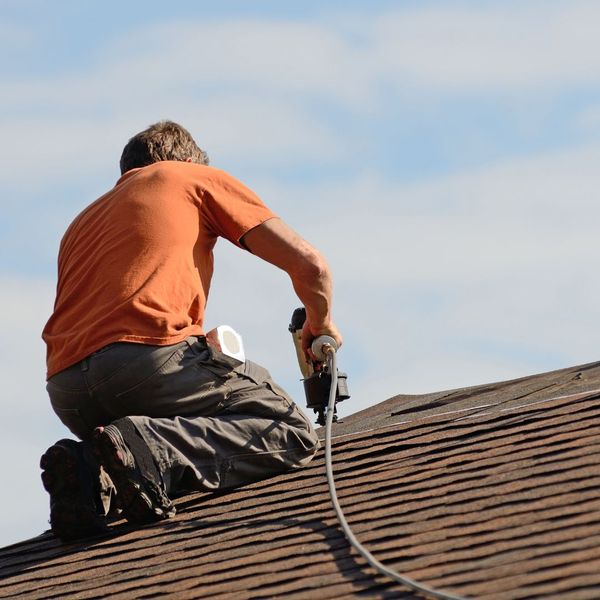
[(327, 348)]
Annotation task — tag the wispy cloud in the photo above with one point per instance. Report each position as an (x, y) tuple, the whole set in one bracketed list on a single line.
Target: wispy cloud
[(514, 48), (268, 80)]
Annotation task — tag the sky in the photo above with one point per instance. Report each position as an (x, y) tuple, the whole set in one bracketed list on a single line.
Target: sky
[(443, 156)]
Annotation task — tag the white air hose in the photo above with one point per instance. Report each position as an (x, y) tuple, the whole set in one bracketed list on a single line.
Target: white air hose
[(324, 347)]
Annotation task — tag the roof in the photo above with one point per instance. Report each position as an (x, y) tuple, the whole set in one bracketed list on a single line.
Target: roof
[(485, 492)]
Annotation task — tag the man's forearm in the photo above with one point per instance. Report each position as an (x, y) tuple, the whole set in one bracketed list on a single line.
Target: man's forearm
[(313, 285), (277, 243)]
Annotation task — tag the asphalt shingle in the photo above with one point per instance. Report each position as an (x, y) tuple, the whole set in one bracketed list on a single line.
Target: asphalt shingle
[(485, 492)]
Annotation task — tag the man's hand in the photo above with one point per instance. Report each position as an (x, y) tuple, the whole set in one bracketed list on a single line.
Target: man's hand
[(309, 334)]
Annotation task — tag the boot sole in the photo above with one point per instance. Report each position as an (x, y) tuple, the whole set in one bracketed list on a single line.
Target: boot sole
[(73, 512), (137, 496)]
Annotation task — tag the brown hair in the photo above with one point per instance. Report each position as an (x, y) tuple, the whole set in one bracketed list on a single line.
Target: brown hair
[(164, 140)]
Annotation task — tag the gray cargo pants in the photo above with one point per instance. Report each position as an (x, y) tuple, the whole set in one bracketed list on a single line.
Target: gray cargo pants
[(209, 421)]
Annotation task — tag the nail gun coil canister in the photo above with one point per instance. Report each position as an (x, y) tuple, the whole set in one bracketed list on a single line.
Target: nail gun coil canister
[(317, 386)]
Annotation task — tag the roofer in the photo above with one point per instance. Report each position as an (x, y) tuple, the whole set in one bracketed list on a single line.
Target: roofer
[(130, 373)]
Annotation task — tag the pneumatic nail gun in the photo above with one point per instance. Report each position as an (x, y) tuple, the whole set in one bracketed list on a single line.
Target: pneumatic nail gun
[(317, 379)]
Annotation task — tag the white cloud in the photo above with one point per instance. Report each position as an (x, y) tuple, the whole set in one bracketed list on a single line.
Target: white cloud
[(513, 47), (243, 84), (267, 57), (260, 130), (534, 213), (56, 147), (240, 128), (254, 80)]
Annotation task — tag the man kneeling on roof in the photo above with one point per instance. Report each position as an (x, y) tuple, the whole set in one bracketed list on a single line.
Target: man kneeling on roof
[(158, 410)]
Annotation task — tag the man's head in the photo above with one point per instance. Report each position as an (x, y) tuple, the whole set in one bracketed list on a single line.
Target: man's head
[(164, 140)]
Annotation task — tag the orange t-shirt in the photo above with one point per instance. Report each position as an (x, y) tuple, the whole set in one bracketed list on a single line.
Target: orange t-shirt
[(136, 265)]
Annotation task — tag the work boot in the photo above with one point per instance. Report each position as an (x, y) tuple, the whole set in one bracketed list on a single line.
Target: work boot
[(128, 460), (71, 476)]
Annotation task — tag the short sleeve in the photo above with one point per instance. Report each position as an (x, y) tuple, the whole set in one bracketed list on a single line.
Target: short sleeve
[(229, 208)]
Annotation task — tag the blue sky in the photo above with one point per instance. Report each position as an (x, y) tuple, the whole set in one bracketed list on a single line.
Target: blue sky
[(443, 156)]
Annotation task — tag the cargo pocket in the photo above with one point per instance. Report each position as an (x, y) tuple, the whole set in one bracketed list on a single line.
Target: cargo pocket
[(253, 392)]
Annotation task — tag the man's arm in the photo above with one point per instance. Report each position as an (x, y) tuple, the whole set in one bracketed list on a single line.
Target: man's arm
[(279, 244)]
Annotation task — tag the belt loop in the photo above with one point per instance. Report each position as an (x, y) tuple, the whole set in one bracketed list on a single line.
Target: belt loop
[(192, 340), (85, 365)]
